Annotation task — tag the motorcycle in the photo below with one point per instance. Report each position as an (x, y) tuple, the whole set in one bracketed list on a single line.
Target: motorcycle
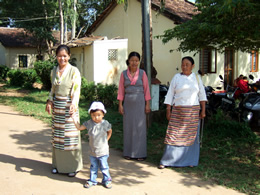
[(250, 104), (223, 99), (228, 102), (163, 89), (214, 100)]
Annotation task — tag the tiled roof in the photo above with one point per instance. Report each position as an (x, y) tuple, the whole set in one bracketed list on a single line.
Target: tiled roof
[(16, 37), (81, 41), (178, 11)]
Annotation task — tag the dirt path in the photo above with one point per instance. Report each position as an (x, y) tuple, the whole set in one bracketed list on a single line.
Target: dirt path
[(25, 164), (12, 92)]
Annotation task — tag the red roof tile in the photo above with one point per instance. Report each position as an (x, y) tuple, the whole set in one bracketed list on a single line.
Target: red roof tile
[(16, 37), (178, 11)]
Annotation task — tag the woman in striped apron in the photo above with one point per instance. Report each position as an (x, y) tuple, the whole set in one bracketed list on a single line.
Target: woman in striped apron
[(185, 102), (63, 102)]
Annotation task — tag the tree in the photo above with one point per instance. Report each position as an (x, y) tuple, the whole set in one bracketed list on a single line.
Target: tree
[(88, 11), (36, 17), (219, 24), (61, 22)]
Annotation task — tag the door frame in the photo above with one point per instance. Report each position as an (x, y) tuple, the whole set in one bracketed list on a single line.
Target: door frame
[(229, 62)]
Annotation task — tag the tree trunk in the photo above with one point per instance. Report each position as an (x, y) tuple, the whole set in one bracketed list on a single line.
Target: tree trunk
[(61, 23), (142, 65), (73, 31), (66, 31), (46, 18)]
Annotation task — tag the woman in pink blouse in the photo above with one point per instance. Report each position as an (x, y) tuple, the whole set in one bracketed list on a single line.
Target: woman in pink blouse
[(134, 97)]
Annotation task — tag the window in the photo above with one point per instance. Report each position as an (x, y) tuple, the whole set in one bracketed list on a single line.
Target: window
[(112, 54), (208, 60), (39, 57), (23, 61), (254, 61)]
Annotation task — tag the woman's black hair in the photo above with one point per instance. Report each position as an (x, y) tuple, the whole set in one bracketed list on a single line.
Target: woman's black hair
[(133, 53), (63, 47), (188, 58)]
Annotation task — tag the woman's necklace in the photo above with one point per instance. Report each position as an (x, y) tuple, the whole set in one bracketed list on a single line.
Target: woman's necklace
[(62, 70)]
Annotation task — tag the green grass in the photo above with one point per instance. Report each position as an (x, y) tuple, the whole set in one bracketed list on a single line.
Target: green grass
[(229, 156)]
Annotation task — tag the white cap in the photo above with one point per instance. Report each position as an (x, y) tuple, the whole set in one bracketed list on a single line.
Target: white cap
[(97, 106)]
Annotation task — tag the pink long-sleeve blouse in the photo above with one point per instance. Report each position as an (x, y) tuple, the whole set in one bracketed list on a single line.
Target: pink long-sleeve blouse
[(121, 88)]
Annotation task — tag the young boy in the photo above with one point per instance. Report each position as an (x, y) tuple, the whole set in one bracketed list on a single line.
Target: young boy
[(99, 132)]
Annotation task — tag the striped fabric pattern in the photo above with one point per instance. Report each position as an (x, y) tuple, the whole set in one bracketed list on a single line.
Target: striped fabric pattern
[(64, 133), (183, 125)]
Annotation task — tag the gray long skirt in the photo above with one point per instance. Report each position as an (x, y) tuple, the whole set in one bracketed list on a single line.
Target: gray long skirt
[(182, 156), (134, 124)]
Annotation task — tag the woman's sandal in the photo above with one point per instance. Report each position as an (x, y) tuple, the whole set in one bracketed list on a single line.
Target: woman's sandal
[(88, 184), (127, 158), (73, 174), (140, 159), (54, 171), (161, 167)]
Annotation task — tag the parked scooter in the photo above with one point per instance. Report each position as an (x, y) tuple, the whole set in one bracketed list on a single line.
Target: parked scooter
[(214, 99), (163, 89), (228, 103), (250, 104)]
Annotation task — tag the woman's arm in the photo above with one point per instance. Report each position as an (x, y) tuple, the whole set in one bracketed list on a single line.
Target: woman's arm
[(169, 98), (120, 107), (147, 95), (75, 92), (168, 112), (121, 88), (49, 106), (147, 106), (203, 109), (121, 94)]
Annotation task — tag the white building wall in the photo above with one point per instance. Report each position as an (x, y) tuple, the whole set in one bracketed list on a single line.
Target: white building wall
[(12, 56), (128, 24), (2, 55), (109, 71)]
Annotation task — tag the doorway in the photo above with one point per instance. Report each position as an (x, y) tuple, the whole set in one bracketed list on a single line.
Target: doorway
[(229, 67)]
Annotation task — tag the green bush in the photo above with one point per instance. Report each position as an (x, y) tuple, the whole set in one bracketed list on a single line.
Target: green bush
[(3, 72), (88, 90), (223, 129), (100, 92), (22, 78), (107, 94), (43, 69)]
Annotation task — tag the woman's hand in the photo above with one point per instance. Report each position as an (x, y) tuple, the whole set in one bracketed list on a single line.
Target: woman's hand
[(72, 109), (147, 108), (121, 109), (168, 112), (49, 106), (203, 109), (202, 114)]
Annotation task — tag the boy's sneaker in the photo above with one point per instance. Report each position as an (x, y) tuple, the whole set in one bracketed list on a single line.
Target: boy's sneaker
[(108, 184)]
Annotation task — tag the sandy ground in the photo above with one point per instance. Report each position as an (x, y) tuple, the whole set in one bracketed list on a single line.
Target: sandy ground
[(25, 164)]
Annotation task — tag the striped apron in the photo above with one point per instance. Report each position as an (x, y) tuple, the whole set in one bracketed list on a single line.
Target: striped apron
[(183, 125), (64, 133)]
